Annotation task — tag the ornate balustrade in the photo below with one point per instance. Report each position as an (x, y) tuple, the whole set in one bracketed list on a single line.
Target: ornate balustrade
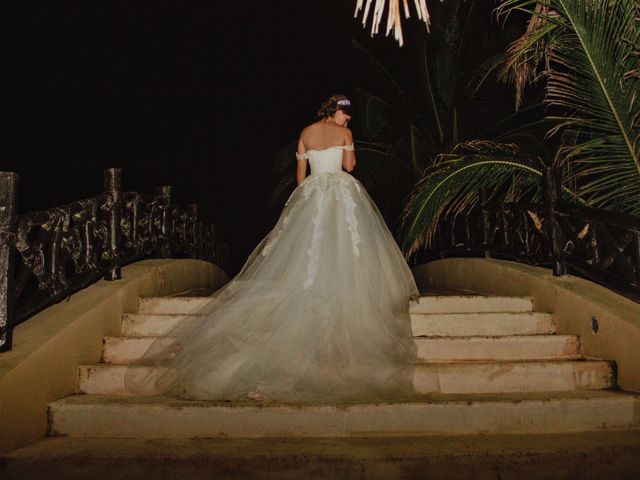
[(599, 245), (46, 256)]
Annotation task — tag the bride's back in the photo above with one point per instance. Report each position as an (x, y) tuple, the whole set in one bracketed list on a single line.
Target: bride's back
[(322, 135)]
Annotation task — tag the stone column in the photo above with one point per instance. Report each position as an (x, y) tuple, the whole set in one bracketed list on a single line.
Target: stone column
[(552, 199), (8, 225), (113, 189), (164, 194)]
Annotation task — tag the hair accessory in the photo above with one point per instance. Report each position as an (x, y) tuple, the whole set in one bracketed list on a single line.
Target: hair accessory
[(344, 102)]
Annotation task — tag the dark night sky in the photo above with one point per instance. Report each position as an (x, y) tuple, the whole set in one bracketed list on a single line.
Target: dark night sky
[(194, 94)]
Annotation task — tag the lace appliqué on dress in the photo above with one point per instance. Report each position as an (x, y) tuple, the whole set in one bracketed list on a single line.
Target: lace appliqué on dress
[(336, 182), (314, 249), (305, 188), (272, 241), (352, 222)]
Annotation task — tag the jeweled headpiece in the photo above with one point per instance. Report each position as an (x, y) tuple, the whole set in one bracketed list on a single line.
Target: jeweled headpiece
[(344, 102)]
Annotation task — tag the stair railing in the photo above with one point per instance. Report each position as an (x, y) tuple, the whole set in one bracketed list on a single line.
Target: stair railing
[(48, 255), (599, 245)]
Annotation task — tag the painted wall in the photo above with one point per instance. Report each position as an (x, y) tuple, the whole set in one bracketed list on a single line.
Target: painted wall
[(574, 302), (48, 347)]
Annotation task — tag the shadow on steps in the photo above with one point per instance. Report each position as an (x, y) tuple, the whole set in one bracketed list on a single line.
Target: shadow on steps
[(610, 455)]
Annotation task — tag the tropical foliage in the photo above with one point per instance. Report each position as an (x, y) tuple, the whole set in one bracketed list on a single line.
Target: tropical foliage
[(440, 91), (417, 102), (451, 185), (586, 55)]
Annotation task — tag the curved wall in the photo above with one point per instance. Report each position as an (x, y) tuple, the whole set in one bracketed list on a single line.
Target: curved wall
[(48, 347), (573, 301)]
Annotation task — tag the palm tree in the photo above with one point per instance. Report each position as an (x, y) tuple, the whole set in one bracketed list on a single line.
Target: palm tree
[(586, 52), (441, 91)]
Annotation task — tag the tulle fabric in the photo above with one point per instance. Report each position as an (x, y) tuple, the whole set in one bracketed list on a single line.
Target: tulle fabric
[(318, 313)]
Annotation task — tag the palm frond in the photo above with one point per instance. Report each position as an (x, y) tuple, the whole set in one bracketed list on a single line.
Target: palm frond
[(484, 71), (524, 58), (590, 60), (429, 88), (452, 185), (591, 91)]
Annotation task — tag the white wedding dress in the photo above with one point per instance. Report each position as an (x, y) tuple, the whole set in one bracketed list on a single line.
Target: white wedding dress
[(318, 313)]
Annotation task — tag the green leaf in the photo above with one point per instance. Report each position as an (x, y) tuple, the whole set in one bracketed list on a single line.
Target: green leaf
[(452, 186), (592, 64)]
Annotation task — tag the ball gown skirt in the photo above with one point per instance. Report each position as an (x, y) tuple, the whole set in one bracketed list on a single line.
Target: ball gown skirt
[(318, 313)]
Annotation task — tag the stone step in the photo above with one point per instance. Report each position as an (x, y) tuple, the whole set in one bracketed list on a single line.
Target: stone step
[(511, 348), (124, 350), (471, 304), (158, 417), (151, 324), (431, 325), (482, 324), (426, 304), (583, 455), (512, 377), (454, 378), (171, 305)]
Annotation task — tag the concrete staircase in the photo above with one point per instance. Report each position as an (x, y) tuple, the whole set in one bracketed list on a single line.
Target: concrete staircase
[(486, 365)]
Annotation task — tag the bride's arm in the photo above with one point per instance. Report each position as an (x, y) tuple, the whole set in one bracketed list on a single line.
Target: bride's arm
[(301, 173), (349, 156)]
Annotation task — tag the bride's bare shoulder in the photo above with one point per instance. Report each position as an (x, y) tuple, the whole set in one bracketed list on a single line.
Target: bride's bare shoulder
[(312, 127), (310, 130), (320, 134)]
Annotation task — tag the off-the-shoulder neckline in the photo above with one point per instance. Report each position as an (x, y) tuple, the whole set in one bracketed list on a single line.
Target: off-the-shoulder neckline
[(329, 148)]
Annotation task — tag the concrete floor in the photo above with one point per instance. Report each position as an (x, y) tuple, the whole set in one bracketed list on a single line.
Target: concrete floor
[(608, 455)]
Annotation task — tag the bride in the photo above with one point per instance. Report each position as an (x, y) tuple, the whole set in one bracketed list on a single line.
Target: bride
[(319, 311)]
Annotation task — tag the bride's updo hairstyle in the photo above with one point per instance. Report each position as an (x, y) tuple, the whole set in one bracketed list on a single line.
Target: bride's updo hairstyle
[(333, 104)]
